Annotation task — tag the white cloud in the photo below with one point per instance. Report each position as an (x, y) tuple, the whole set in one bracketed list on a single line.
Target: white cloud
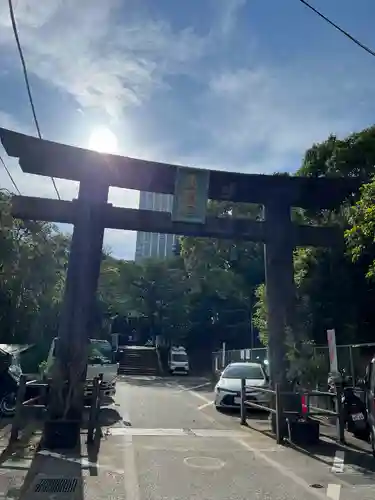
[(253, 113), (228, 12), (81, 48), (261, 117)]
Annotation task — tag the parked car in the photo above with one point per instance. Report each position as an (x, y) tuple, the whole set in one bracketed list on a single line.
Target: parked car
[(101, 359), (228, 388), (178, 361)]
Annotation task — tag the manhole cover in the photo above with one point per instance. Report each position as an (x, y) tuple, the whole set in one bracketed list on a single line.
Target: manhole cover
[(56, 485), (209, 463)]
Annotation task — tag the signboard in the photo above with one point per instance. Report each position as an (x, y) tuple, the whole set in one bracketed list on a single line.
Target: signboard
[(190, 195), (242, 354), (331, 337)]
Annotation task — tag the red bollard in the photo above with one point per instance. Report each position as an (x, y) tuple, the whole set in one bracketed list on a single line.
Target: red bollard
[(304, 404)]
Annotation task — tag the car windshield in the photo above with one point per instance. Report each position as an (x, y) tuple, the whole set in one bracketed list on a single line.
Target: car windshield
[(244, 371), (100, 352), (179, 357)]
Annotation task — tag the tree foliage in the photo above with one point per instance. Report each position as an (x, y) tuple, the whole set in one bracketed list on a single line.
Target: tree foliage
[(332, 289)]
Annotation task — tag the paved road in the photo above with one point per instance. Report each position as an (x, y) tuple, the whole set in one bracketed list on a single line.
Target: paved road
[(173, 444)]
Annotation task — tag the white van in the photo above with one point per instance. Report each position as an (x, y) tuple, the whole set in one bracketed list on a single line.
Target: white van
[(100, 360), (178, 361)]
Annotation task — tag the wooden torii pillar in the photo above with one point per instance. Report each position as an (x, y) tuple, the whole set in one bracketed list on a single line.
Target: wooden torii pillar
[(91, 213)]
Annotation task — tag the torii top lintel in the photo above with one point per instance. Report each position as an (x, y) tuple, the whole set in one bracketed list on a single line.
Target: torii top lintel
[(52, 159)]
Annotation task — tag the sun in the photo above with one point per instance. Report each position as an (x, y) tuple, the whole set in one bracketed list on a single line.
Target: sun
[(103, 140)]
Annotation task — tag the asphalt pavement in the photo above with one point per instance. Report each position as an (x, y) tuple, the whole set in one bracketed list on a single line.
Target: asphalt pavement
[(171, 443)]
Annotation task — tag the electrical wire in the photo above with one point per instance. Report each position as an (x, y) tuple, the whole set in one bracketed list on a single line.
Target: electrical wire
[(24, 68), (10, 175), (341, 30)]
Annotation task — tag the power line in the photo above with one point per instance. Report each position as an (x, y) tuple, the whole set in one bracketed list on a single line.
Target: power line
[(10, 175), (341, 30), (24, 68)]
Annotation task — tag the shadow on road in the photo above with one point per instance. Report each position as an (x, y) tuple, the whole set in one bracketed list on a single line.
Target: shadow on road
[(107, 417), (26, 455), (358, 458)]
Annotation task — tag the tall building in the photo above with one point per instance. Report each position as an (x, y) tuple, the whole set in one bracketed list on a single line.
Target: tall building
[(154, 245)]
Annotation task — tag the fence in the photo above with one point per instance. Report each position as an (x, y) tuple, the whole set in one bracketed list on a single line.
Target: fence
[(351, 358), (38, 401), (282, 415), (41, 401)]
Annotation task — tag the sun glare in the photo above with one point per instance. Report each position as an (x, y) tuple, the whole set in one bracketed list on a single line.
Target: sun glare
[(103, 141)]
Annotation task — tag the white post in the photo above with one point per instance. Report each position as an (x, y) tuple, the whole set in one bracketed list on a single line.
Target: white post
[(331, 337), (223, 355)]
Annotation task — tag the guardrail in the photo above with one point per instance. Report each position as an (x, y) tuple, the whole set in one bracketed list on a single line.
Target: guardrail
[(21, 403), (281, 414)]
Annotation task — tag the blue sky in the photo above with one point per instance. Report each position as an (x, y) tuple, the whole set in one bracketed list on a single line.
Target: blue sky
[(241, 85)]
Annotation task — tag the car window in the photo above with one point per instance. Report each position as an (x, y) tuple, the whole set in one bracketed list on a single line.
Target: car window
[(179, 357), (244, 371)]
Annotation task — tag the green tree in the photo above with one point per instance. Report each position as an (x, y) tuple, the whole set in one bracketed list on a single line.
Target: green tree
[(361, 235), (223, 276), (331, 287), (158, 291)]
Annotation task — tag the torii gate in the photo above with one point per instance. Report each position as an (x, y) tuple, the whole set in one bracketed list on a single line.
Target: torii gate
[(91, 214)]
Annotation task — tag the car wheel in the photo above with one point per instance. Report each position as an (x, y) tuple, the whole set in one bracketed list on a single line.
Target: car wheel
[(8, 405)]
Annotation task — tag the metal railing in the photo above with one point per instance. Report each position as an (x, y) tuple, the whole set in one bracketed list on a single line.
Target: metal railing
[(352, 358), (282, 415), (38, 401)]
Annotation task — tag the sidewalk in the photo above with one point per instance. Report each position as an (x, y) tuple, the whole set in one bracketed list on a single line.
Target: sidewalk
[(28, 472)]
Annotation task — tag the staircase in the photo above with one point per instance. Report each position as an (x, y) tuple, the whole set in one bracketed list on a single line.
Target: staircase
[(138, 360)]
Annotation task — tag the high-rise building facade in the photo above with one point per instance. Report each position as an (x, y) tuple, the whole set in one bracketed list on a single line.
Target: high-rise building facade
[(154, 245)]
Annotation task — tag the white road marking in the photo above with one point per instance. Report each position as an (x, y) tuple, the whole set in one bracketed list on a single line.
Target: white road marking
[(188, 389), (333, 491), (131, 483), (205, 405), (130, 477), (83, 462), (132, 431), (220, 433), (288, 473), (338, 462), (213, 433)]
